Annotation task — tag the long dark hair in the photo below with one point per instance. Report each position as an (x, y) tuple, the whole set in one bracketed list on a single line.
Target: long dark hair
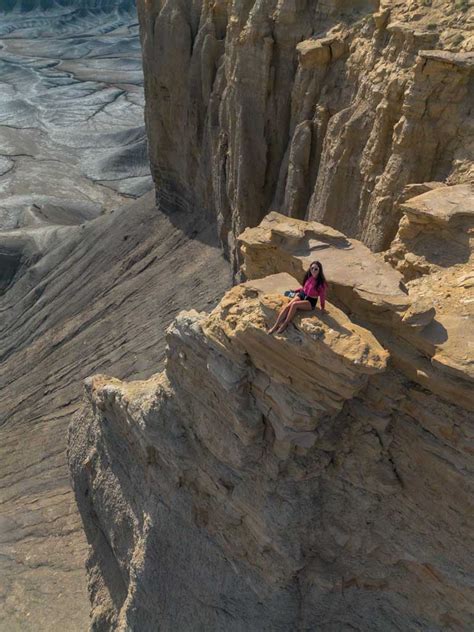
[(320, 279)]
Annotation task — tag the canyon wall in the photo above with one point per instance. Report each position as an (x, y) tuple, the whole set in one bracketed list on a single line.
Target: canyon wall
[(318, 479), (320, 110)]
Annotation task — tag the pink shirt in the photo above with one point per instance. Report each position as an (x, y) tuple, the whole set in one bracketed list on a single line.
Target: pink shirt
[(312, 290)]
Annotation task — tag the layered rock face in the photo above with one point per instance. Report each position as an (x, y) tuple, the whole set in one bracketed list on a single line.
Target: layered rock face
[(321, 110), (314, 480)]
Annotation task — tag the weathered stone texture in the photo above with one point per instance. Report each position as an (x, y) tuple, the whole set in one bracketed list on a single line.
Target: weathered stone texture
[(436, 231), (432, 313), (319, 110), (313, 480)]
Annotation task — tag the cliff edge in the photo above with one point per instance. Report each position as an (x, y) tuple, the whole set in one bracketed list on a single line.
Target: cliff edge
[(314, 480)]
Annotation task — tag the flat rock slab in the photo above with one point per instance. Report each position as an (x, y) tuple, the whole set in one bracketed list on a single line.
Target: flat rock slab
[(425, 330), (444, 205), (356, 275), (273, 284), (323, 356), (461, 59)]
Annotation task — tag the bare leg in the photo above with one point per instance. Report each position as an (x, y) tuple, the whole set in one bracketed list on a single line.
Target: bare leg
[(304, 305), (281, 316)]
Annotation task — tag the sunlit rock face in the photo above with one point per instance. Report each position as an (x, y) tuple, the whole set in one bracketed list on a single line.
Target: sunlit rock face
[(319, 110), (72, 139), (314, 480)]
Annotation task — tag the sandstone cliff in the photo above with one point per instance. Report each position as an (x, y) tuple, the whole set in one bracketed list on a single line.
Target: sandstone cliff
[(321, 110), (314, 480), (269, 501)]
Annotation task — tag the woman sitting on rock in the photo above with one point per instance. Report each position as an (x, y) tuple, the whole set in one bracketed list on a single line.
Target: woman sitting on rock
[(314, 286)]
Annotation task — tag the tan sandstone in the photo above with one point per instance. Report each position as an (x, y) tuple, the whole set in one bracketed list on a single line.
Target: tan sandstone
[(322, 111), (315, 479)]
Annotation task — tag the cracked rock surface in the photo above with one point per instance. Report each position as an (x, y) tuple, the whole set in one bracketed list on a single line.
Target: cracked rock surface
[(317, 479)]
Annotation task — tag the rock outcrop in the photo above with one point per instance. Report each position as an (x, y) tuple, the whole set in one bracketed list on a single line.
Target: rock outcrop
[(435, 231), (319, 110), (313, 480), (426, 326), (317, 479)]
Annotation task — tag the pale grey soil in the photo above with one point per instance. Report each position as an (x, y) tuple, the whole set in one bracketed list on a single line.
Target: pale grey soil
[(71, 112)]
